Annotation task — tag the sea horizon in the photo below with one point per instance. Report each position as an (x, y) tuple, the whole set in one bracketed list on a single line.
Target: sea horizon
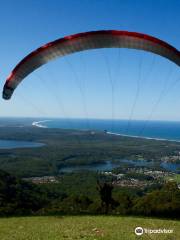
[(154, 129), (149, 129)]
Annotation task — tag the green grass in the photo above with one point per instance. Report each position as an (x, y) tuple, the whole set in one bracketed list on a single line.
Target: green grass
[(83, 227), (175, 178)]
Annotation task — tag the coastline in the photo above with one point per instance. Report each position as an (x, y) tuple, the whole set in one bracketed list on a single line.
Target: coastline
[(148, 138), (38, 124)]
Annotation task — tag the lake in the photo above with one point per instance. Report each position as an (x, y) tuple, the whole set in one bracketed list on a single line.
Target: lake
[(108, 166), (12, 144)]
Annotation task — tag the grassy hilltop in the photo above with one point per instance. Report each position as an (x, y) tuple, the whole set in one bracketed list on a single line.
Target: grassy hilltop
[(83, 227)]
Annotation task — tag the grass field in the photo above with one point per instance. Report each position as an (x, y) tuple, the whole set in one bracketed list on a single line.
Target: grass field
[(175, 178), (84, 227)]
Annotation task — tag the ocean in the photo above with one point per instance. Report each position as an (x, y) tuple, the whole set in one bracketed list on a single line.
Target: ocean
[(138, 128)]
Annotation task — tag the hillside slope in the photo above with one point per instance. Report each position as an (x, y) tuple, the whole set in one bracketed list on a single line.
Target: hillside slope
[(83, 227)]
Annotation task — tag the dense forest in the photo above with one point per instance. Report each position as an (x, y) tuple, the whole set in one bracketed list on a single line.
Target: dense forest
[(85, 193)]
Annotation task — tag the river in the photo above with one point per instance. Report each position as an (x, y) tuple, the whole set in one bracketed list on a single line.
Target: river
[(108, 166), (12, 144)]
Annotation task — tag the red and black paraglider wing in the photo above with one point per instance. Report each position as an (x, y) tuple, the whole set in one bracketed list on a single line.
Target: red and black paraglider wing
[(85, 41)]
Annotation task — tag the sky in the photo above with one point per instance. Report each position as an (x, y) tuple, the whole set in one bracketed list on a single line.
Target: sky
[(143, 83)]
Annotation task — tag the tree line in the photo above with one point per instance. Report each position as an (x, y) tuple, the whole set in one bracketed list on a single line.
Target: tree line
[(19, 197)]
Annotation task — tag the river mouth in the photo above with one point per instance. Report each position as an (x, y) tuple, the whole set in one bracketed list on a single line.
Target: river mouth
[(14, 144), (109, 166)]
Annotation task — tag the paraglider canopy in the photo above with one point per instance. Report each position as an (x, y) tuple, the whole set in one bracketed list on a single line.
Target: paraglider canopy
[(85, 41)]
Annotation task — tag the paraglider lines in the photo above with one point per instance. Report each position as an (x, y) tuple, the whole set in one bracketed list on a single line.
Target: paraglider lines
[(135, 99), (164, 91)]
